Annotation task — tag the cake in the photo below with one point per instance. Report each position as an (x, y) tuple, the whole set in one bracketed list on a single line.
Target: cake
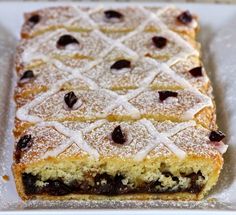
[(114, 103)]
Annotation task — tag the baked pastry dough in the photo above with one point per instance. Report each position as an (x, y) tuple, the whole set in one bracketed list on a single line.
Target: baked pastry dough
[(113, 104)]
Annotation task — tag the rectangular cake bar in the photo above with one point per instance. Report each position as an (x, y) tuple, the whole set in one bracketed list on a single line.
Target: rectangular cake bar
[(113, 103)]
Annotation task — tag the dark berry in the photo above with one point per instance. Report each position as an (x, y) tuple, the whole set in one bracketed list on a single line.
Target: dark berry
[(194, 187), (27, 74), (120, 64), (70, 99), (169, 174), (120, 187), (216, 136), (85, 187), (65, 40), (104, 184), (23, 142), (118, 178), (17, 156), (33, 20), (29, 181), (159, 42), (196, 72), (118, 136), (185, 17), (104, 176), (152, 186), (109, 14), (57, 188), (163, 95)]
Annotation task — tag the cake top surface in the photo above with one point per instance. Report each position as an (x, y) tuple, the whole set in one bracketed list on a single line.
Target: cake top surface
[(79, 67)]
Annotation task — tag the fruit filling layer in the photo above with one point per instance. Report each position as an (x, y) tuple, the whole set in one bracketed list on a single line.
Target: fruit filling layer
[(105, 184)]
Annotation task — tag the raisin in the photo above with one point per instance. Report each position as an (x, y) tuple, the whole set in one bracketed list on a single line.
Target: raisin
[(35, 19), (109, 14), (163, 95), (119, 186), (174, 178), (84, 186), (57, 188), (159, 42), (70, 99), (23, 142), (120, 64), (27, 75), (17, 156), (29, 183), (169, 174), (118, 136), (80, 187), (196, 72), (104, 184), (152, 186), (118, 179), (65, 40), (194, 187), (185, 17), (103, 176), (216, 136)]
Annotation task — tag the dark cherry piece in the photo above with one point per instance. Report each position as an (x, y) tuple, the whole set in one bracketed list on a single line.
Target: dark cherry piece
[(65, 40), (196, 72), (27, 74), (185, 17), (23, 142), (118, 136), (159, 42), (216, 136), (120, 64), (163, 95), (33, 20), (109, 14), (70, 99)]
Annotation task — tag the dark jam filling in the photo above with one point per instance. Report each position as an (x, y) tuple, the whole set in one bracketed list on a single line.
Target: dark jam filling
[(105, 184)]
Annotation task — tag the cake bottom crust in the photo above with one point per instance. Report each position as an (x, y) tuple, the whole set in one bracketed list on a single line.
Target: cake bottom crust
[(183, 196)]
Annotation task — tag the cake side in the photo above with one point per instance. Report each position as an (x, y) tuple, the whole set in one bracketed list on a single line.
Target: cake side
[(182, 160)]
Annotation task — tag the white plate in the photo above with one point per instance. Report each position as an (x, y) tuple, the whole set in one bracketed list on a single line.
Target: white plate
[(218, 39)]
